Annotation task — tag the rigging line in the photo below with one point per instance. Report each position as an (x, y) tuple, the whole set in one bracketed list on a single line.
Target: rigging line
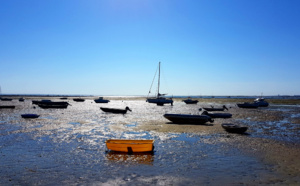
[(152, 82)]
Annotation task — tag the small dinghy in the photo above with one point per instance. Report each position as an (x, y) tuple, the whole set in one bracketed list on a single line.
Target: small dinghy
[(30, 116), (217, 115), (7, 106), (78, 99), (214, 109), (190, 101), (130, 146), (232, 128), (188, 118), (115, 111)]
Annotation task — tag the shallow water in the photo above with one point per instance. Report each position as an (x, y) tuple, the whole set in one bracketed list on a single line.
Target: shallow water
[(67, 146)]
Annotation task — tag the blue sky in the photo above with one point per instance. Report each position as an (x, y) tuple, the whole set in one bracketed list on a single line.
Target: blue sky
[(112, 47)]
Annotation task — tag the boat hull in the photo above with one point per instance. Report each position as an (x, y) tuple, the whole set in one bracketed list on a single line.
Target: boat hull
[(188, 101), (247, 105), (188, 119), (218, 115), (7, 107), (160, 101), (30, 116), (115, 111), (48, 106), (121, 145), (232, 128)]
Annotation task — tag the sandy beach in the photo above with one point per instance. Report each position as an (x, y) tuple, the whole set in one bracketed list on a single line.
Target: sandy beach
[(266, 154)]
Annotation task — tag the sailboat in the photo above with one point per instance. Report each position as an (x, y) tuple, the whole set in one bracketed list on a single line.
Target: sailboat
[(159, 99)]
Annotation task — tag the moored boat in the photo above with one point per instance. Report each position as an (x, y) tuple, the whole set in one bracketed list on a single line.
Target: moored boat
[(7, 106), (30, 115), (188, 119), (101, 100), (130, 146), (261, 102), (247, 105), (214, 109), (116, 111), (232, 128), (6, 99), (49, 106), (78, 99), (21, 99), (190, 101), (217, 115), (159, 99)]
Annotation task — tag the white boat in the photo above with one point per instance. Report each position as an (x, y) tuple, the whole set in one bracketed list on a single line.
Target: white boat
[(159, 99), (261, 102)]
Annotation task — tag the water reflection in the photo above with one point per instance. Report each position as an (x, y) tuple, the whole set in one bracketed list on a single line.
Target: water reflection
[(136, 157)]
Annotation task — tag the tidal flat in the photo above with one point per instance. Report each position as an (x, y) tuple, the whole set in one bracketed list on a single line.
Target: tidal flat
[(67, 146)]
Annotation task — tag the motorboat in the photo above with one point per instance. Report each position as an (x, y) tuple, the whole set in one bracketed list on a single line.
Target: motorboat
[(101, 100), (188, 118), (190, 101), (261, 102), (247, 105)]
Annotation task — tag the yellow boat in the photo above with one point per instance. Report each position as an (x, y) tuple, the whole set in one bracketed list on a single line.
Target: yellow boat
[(125, 145)]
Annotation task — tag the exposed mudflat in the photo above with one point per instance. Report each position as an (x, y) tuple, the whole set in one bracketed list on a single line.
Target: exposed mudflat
[(67, 146)]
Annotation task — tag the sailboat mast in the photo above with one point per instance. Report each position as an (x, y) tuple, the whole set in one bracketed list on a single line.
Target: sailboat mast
[(158, 80)]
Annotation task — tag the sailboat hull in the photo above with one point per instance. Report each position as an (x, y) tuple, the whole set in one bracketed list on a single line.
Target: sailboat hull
[(160, 101)]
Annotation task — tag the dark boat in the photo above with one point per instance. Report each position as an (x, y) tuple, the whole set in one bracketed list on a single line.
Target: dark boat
[(217, 115), (78, 99), (6, 99), (30, 116), (21, 99), (190, 101), (116, 111), (232, 128), (214, 109), (35, 102), (159, 100), (7, 107), (261, 102), (188, 119), (247, 105), (101, 100), (54, 106)]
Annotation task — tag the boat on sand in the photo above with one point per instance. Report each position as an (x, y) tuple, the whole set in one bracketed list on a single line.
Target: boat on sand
[(130, 146), (7, 106), (159, 99), (190, 101), (30, 115), (101, 100), (214, 109), (232, 128), (217, 115), (115, 111), (188, 119), (247, 105)]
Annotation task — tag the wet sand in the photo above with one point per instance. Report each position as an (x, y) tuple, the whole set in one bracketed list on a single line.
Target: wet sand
[(67, 146)]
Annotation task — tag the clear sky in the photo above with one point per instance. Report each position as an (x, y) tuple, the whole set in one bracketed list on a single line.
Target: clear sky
[(112, 47)]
